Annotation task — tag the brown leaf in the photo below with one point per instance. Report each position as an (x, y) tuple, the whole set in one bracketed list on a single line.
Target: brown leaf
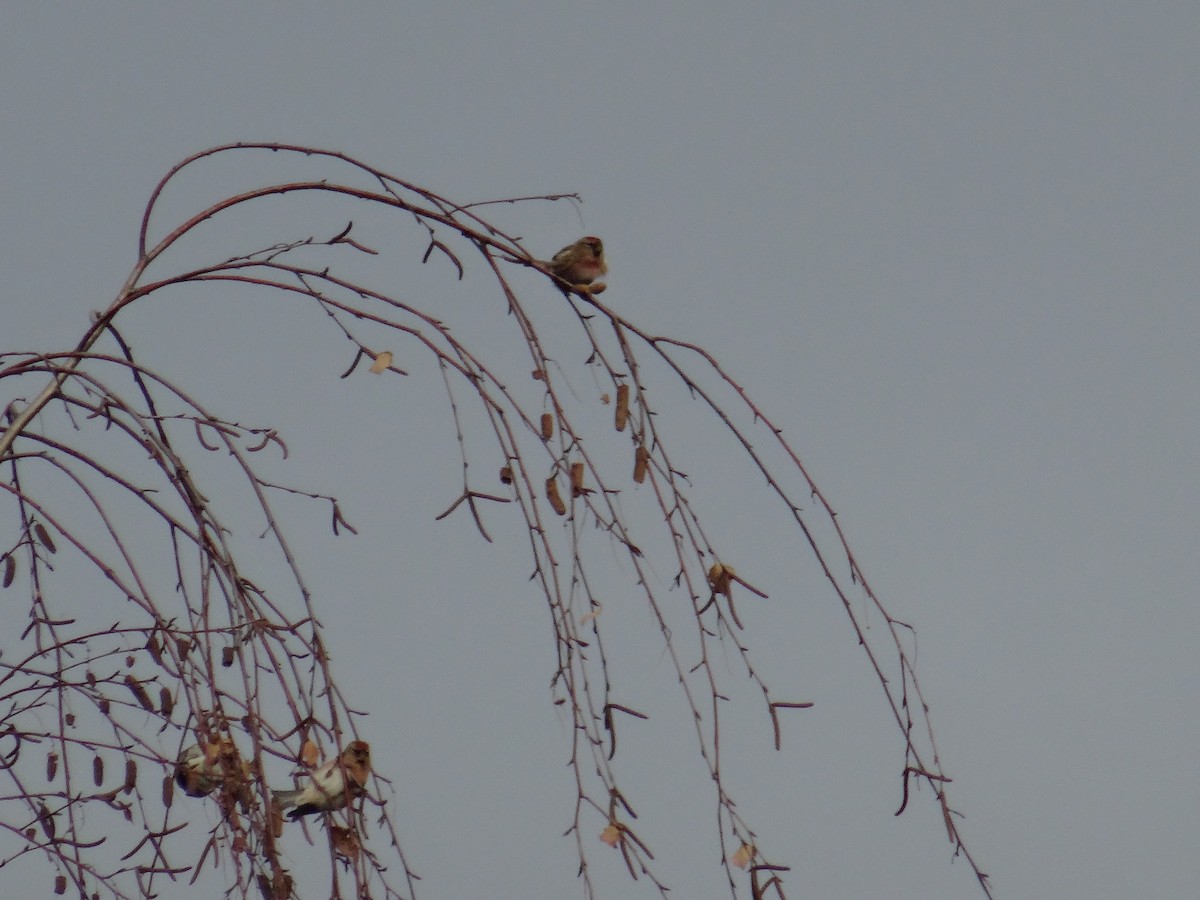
[(10, 569), (98, 771), (47, 821), (720, 578), (577, 487), (506, 475), (44, 536), (621, 413), (130, 775), (51, 766), (641, 462), (547, 426), (553, 496), (611, 835), (139, 693), (345, 842)]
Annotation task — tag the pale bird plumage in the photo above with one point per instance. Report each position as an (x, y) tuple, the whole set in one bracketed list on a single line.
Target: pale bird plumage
[(331, 785)]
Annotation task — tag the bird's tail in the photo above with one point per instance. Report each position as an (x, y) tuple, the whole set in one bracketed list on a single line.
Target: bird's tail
[(286, 799)]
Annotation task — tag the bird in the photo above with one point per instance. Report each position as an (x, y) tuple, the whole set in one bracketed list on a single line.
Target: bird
[(327, 785), (580, 263), (200, 770)]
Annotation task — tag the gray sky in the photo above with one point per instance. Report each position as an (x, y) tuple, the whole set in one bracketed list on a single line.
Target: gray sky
[(950, 247)]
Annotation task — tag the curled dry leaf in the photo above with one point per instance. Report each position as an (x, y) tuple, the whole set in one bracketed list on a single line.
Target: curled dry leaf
[(139, 693), (720, 578), (641, 463), (382, 360), (577, 487), (611, 835), (621, 413), (46, 818), (556, 500), (743, 856), (310, 754), (345, 842), (44, 536), (506, 476)]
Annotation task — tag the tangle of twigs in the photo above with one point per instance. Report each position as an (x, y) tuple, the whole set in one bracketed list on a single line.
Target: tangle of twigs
[(204, 655)]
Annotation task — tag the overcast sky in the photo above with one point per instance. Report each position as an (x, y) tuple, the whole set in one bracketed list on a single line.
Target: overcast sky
[(951, 247)]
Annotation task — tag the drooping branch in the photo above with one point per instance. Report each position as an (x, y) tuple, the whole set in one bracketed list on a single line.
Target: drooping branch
[(230, 658)]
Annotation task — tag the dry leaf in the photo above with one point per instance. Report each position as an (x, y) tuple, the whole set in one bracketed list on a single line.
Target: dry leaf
[(577, 487), (552, 495), (641, 462), (382, 361), (97, 771), (611, 835), (743, 857), (345, 842), (310, 754), (44, 536), (547, 426), (46, 818), (720, 578), (594, 614), (621, 413), (506, 476)]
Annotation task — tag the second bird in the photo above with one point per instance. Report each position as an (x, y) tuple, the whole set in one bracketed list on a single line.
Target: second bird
[(332, 785)]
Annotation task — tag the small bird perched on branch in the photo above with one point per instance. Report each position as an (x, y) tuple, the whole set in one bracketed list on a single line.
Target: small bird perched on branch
[(581, 263), (332, 785), (200, 770)]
